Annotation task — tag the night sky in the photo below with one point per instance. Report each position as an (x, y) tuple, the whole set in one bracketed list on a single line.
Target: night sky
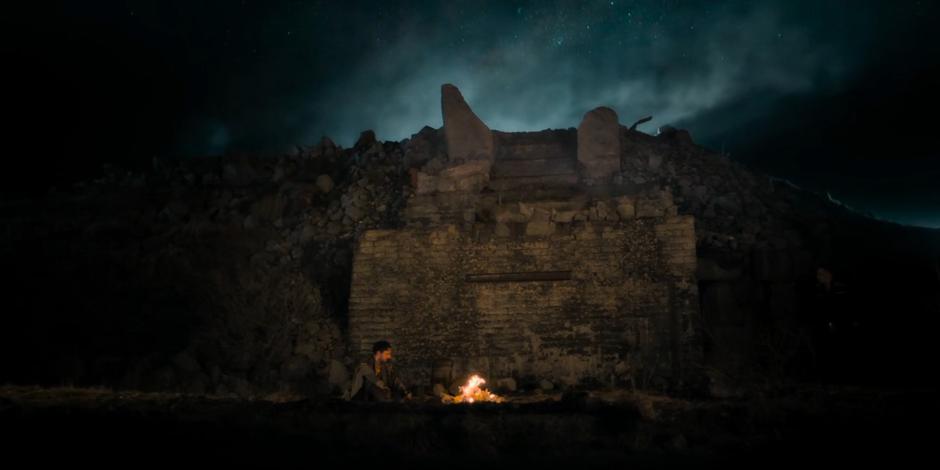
[(835, 96)]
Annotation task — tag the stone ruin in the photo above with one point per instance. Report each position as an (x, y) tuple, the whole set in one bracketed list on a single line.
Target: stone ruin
[(526, 255), (231, 274)]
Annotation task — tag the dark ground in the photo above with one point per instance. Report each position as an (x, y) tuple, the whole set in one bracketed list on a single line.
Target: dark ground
[(794, 426)]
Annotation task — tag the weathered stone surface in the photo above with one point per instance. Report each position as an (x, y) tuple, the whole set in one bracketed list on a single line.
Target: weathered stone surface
[(509, 213), (365, 141), (648, 208), (677, 235), (680, 136), (507, 384), (466, 170), (654, 161), (558, 329), (296, 368), (186, 363), (540, 214), (189, 228), (772, 265), (722, 306), (539, 228), (529, 182), (469, 176), (355, 213), (626, 207), (502, 230), (338, 375), (727, 204), (425, 183), (324, 183), (467, 137), (428, 144), (249, 222), (601, 211), (563, 216), (599, 143), (516, 167), (326, 147), (710, 269)]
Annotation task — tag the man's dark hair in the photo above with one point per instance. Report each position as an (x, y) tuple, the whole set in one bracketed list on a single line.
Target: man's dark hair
[(381, 346)]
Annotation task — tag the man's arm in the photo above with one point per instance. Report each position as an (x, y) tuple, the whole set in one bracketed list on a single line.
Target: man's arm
[(396, 380), (369, 375)]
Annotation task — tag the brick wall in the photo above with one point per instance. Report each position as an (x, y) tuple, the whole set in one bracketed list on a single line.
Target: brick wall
[(594, 300)]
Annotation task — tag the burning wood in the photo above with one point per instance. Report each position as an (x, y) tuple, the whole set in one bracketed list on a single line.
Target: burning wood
[(472, 393)]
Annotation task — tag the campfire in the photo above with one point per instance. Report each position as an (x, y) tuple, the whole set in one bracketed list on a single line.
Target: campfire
[(472, 393)]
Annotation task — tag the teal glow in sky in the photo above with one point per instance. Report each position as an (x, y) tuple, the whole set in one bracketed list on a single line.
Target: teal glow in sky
[(825, 94)]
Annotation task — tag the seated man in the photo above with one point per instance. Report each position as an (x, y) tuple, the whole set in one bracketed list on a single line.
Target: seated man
[(375, 379)]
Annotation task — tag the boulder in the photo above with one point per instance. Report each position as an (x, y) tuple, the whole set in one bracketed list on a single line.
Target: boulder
[(338, 375), (324, 183)]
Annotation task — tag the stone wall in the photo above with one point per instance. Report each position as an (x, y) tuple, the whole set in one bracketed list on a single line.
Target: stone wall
[(168, 279), (594, 301), (225, 275), (531, 263)]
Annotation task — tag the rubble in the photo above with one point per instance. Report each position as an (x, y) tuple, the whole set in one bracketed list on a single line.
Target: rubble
[(195, 261)]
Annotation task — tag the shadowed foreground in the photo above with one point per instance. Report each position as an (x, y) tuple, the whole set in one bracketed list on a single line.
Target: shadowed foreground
[(797, 426)]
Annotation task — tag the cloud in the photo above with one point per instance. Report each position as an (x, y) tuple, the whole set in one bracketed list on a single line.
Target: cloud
[(516, 75)]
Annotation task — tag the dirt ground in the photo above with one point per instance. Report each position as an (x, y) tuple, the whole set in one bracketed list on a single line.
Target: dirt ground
[(792, 426)]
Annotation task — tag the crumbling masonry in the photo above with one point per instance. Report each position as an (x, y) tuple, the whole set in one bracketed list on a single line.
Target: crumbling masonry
[(526, 255)]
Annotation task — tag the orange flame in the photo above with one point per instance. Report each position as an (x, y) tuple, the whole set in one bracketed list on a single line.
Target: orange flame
[(472, 392)]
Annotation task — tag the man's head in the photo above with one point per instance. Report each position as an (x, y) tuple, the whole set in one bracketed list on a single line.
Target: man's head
[(382, 351)]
